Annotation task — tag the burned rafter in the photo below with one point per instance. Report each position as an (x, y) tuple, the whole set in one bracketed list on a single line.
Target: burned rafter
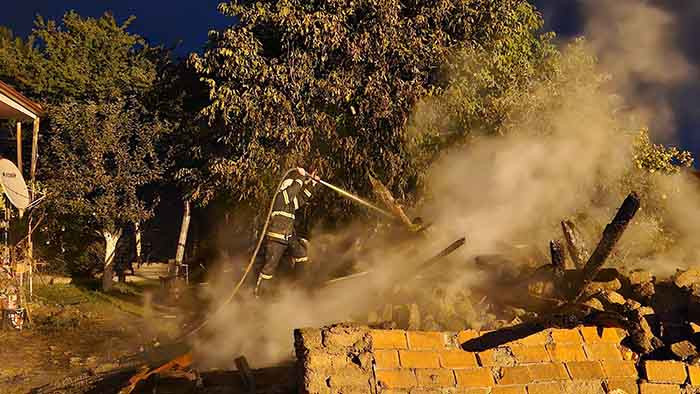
[(574, 244), (611, 235), (385, 195), (246, 373), (557, 255)]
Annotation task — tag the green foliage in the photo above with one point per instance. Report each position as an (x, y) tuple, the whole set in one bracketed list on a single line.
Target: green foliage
[(99, 85), (331, 84), (97, 170), (81, 58), (658, 158)]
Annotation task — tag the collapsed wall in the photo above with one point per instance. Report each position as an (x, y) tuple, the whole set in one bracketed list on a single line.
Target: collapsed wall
[(585, 360)]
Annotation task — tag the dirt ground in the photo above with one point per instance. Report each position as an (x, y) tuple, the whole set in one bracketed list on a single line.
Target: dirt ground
[(76, 328)]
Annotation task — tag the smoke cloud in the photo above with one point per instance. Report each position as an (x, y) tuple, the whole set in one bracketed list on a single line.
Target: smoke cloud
[(549, 166)]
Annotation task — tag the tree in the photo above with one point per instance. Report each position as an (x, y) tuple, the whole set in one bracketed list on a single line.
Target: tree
[(333, 83), (97, 82), (97, 171)]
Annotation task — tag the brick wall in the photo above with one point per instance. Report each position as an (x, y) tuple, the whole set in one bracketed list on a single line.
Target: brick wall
[(587, 360)]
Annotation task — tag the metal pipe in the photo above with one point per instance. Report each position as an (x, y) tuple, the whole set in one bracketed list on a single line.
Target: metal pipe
[(355, 198)]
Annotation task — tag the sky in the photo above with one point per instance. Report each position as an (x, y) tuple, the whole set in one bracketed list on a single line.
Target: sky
[(185, 23), (169, 22)]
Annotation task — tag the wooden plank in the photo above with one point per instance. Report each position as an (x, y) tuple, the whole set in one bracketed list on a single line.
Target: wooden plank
[(35, 152), (19, 145), (246, 373)]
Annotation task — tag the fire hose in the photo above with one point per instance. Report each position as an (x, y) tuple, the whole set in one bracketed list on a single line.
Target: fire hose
[(264, 230), (186, 359)]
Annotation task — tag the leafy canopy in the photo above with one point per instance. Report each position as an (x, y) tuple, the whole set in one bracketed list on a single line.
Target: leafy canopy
[(96, 80), (332, 83)]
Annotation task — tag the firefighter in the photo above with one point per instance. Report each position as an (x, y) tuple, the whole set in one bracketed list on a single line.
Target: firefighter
[(281, 237)]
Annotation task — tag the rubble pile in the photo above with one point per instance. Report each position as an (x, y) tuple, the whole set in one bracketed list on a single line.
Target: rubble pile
[(660, 315)]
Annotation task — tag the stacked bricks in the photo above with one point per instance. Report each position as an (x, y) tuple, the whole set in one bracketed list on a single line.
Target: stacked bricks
[(335, 359), (578, 361), (584, 360)]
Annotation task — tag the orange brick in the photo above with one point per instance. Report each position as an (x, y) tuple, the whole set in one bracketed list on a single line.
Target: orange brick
[(466, 335), (585, 370), (423, 391), (457, 359), (652, 388), (562, 336), (413, 359), (665, 372), (473, 390), (475, 377), (435, 378), (620, 369), (694, 375), (548, 372), (418, 340), (386, 359), (508, 390), (582, 387), (566, 352), (694, 327), (599, 334), (629, 386), (396, 379), (544, 388), (389, 339), (627, 354), (602, 351), (530, 354), (536, 339), (515, 375), (491, 357)]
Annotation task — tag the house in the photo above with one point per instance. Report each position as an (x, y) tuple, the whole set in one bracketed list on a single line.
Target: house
[(19, 110)]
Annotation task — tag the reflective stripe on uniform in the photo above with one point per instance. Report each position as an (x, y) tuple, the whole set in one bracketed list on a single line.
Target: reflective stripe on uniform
[(286, 196), (282, 213), (276, 235), (296, 203), (307, 192), (300, 259), (300, 181), (286, 183), (265, 276)]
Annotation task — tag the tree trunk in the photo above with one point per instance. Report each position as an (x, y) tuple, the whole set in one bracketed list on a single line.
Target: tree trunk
[(111, 239), (137, 234), (182, 241)]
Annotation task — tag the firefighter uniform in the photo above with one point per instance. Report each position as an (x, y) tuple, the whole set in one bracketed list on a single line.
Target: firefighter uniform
[(281, 237)]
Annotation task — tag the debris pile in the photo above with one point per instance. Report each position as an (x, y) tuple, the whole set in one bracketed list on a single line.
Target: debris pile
[(660, 315)]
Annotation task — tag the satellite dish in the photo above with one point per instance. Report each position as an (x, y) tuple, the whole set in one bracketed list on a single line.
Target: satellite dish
[(13, 184)]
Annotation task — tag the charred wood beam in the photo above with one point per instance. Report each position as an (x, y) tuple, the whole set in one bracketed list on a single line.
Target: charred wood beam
[(422, 266), (611, 235), (574, 244), (443, 253), (557, 255), (385, 195), (246, 373)]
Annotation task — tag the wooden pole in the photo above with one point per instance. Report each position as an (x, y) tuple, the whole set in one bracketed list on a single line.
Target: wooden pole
[(30, 257), (19, 146), (35, 152), (182, 241), (32, 196)]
